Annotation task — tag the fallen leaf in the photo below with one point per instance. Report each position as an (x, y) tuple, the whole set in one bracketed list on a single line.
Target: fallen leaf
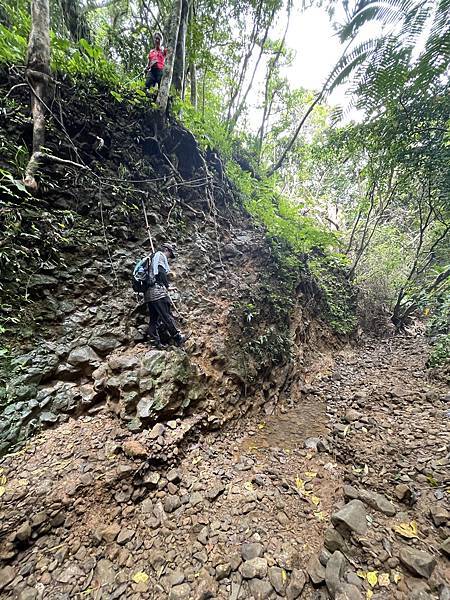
[(261, 425), (283, 575), (140, 577), (396, 576), (369, 594), (372, 578), (196, 460), (2, 490), (248, 486), (3, 480), (384, 580), (407, 530), (299, 483), (310, 474), (319, 515), (315, 500), (346, 430)]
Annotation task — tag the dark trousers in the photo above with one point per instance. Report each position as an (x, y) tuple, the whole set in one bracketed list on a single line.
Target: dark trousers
[(153, 77), (160, 317)]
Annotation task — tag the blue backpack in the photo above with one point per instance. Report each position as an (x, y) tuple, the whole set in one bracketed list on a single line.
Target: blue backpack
[(143, 277)]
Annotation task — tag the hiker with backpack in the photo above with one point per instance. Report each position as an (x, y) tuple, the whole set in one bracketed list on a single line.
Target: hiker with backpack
[(155, 63), (150, 278)]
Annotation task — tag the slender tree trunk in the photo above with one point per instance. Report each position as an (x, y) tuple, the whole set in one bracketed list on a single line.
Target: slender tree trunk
[(193, 78), (38, 76), (269, 103), (164, 90), (75, 20), (312, 106), (179, 66), (251, 46), (242, 99)]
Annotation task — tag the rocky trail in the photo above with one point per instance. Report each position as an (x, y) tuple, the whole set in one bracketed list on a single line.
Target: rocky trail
[(341, 493)]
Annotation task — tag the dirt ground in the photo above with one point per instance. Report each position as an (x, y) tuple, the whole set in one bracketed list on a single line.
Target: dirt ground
[(254, 510)]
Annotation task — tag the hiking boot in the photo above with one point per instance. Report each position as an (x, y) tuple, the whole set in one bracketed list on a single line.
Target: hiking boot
[(179, 339), (157, 344)]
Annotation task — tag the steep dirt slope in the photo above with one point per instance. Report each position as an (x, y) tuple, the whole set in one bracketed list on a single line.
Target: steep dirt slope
[(342, 494), (83, 329)]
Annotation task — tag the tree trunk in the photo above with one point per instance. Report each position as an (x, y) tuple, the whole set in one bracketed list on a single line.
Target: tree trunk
[(38, 76), (193, 78), (164, 90), (312, 106), (180, 54), (75, 20)]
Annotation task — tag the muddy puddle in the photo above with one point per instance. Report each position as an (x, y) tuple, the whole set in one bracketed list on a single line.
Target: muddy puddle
[(291, 429)]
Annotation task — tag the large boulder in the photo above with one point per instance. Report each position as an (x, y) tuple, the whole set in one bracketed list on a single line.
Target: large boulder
[(144, 388)]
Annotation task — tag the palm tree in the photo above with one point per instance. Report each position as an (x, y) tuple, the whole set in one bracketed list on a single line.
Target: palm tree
[(413, 49)]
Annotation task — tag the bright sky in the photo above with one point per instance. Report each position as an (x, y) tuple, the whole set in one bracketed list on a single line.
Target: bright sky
[(317, 49)]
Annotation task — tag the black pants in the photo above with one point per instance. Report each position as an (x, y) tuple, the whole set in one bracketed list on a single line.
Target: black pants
[(161, 318), (153, 77)]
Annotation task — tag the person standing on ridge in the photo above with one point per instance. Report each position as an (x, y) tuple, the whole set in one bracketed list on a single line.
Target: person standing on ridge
[(155, 63), (158, 301)]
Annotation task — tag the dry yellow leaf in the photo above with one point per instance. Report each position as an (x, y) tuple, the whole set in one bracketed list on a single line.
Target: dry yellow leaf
[(196, 460), (140, 577), (3, 480), (319, 515), (315, 500), (261, 425), (248, 486), (384, 580), (2, 490), (407, 530), (369, 594), (396, 576), (372, 578), (283, 575), (310, 474), (299, 483)]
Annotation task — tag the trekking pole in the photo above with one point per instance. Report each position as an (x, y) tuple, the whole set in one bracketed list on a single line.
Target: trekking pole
[(138, 76), (175, 307), (148, 227)]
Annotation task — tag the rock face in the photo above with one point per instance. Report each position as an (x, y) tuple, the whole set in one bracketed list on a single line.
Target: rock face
[(144, 387)]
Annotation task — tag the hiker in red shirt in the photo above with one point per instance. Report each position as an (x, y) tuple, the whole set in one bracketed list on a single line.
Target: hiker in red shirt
[(155, 64)]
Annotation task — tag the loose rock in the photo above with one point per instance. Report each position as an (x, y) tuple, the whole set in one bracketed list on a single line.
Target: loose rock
[(334, 572), (256, 567), (418, 562), (352, 517), (296, 584)]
